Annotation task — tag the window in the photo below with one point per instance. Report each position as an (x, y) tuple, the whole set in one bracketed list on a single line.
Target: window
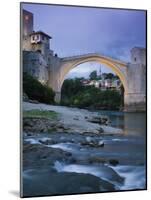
[(135, 59), (37, 37), (43, 37)]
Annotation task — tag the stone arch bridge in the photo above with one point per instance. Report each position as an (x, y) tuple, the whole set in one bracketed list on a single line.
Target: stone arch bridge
[(132, 75)]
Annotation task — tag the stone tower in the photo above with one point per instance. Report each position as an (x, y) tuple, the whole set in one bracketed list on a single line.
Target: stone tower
[(136, 79), (36, 51), (27, 23), (27, 29)]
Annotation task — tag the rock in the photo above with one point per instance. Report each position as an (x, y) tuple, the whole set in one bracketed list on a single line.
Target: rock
[(45, 182), (46, 141), (101, 130), (94, 120), (110, 174), (29, 134), (103, 120), (60, 126), (90, 132), (113, 162), (89, 141), (37, 125), (101, 143), (96, 160), (33, 101), (76, 118), (25, 97), (39, 156)]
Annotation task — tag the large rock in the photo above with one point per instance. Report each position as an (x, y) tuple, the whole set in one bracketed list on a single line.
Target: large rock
[(103, 120), (50, 183), (89, 141), (40, 125), (38, 156)]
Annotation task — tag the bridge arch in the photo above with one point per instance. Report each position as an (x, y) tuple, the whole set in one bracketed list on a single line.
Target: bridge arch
[(132, 75), (117, 67)]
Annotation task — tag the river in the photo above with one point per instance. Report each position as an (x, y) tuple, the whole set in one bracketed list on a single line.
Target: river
[(131, 123), (127, 150)]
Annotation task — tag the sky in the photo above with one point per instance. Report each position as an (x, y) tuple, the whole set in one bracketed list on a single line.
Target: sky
[(81, 30)]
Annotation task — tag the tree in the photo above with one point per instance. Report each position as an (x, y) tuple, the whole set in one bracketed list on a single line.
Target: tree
[(36, 91), (109, 76), (93, 75)]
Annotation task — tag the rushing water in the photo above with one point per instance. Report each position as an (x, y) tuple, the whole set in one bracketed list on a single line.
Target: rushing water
[(129, 149)]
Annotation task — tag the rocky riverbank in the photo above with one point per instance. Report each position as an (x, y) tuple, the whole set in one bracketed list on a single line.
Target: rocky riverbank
[(68, 120), (78, 147)]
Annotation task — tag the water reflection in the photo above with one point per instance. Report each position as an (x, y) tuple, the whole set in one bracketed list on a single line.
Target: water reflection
[(131, 123), (135, 124)]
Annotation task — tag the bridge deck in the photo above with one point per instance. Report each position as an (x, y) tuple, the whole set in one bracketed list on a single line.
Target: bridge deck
[(89, 55)]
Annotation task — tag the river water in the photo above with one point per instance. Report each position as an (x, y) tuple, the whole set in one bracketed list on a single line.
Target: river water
[(131, 123), (128, 149)]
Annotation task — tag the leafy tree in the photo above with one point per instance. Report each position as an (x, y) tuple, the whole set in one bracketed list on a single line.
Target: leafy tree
[(93, 75), (109, 76), (36, 91), (75, 94)]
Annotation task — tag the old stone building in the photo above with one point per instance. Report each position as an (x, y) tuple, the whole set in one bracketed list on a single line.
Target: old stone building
[(37, 55)]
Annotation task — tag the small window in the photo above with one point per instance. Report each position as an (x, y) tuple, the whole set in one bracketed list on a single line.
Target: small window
[(37, 37), (135, 59)]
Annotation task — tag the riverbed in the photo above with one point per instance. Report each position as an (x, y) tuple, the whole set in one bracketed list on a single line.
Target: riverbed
[(67, 163)]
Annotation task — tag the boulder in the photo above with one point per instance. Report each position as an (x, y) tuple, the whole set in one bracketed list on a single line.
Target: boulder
[(96, 159), (103, 120), (46, 182), (101, 143), (33, 101), (46, 141), (39, 156), (89, 141), (113, 162)]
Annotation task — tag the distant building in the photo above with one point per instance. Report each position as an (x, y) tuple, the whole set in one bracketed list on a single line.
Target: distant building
[(104, 84)]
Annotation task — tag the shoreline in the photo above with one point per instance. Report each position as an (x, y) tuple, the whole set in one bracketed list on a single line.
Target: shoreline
[(75, 119)]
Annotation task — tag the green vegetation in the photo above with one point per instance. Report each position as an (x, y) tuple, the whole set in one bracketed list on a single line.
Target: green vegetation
[(40, 114), (75, 94), (93, 75), (36, 91)]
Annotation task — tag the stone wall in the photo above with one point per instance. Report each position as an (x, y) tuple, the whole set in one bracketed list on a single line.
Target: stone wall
[(135, 99), (35, 65)]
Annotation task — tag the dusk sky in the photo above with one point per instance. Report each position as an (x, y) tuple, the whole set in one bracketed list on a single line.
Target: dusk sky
[(79, 30)]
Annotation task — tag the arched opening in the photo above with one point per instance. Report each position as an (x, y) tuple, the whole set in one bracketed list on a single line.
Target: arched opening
[(102, 76)]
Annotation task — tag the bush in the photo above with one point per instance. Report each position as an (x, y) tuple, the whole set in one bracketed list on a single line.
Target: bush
[(36, 91), (74, 94)]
